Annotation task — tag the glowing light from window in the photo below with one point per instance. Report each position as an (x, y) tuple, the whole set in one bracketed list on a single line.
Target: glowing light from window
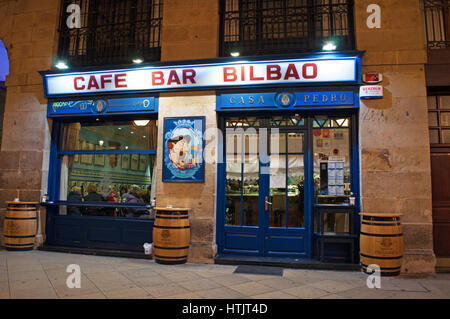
[(141, 122), (329, 46), (61, 65)]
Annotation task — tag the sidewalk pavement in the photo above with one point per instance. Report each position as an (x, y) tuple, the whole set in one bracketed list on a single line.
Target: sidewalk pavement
[(40, 274)]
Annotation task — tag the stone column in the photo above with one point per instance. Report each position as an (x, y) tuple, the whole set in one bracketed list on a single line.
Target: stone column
[(29, 31), (394, 142), (190, 30)]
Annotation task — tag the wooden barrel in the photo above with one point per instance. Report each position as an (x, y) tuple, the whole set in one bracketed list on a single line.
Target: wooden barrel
[(171, 235), (381, 243), (20, 224)]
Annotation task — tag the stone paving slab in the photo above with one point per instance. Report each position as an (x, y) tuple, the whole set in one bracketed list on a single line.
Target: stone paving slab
[(40, 274)]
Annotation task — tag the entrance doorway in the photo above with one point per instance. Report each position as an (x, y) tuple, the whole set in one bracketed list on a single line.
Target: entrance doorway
[(275, 170), (439, 129)]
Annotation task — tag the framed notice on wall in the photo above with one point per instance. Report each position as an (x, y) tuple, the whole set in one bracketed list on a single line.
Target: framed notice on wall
[(125, 161), (134, 162), (183, 149), (99, 159), (143, 159), (86, 158)]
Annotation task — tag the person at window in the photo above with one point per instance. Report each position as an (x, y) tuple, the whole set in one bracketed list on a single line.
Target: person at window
[(111, 198), (74, 196), (93, 196), (123, 194), (148, 195), (134, 198), (316, 187)]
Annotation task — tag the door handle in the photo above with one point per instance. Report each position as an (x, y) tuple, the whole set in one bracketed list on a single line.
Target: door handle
[(267, 203)]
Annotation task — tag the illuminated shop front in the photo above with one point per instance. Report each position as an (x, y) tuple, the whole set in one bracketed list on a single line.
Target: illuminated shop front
[(286, 165)]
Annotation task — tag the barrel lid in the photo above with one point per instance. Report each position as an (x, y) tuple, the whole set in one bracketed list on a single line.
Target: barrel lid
[(171, 209), (381, 214), (21, 203)]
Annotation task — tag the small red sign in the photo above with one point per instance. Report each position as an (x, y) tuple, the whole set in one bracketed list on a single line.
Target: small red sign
[(372, 77)]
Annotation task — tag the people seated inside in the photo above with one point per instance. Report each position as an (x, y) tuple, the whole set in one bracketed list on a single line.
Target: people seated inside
[(74, 196), (148, 195), (134, 198), (123, 194), (111, 198), (93, 196)]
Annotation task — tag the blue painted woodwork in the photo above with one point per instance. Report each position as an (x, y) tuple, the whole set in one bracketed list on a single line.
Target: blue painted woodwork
[(285, 100), (97, 232), (102, 107), (263, 240)]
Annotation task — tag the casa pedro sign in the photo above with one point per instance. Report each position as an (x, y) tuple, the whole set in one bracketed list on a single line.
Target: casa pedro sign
[(204, 76)]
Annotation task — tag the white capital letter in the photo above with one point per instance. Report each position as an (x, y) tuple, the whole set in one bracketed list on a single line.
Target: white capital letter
[(374, 20), (74, 279), (214, 139), (74, 20), (374, 280)]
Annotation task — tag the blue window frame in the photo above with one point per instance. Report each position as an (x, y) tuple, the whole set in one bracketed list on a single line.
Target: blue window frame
[(239, 238), (107, 225)]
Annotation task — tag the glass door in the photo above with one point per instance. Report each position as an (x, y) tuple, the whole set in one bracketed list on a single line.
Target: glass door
[(265, 186), (277, 171), (284, 194)]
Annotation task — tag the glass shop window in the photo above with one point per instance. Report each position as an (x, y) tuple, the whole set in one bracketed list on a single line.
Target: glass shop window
[(110, 163), (331, 145)]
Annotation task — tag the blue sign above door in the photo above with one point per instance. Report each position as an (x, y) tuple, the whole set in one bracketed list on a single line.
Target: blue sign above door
[(102, 107), (286, 100)]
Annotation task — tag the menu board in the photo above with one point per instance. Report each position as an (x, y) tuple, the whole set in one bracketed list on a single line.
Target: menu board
[(335, 175)]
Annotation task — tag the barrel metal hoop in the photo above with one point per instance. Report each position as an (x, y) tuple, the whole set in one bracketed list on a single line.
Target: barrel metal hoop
[(171, 227), (380, 219), (7, 236), (171, 213), (174, 248), (181, 217), (379, 224), (382, 235), (383, 268), (19, 245), (379, 257), (21, 218), (167, 257)]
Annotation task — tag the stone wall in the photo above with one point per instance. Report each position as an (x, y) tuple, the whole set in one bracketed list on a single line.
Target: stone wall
[(29, 30), (394, 142), (190, 31)]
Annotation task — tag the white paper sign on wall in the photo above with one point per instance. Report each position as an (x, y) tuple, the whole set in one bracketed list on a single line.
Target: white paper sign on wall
[(368, 92)]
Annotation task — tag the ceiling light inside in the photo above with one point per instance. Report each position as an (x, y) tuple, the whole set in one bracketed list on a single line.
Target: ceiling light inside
[(141, 122)]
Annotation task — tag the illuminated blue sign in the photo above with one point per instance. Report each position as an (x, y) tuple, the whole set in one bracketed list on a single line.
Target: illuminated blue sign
[(285, 100), (102, 107)]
